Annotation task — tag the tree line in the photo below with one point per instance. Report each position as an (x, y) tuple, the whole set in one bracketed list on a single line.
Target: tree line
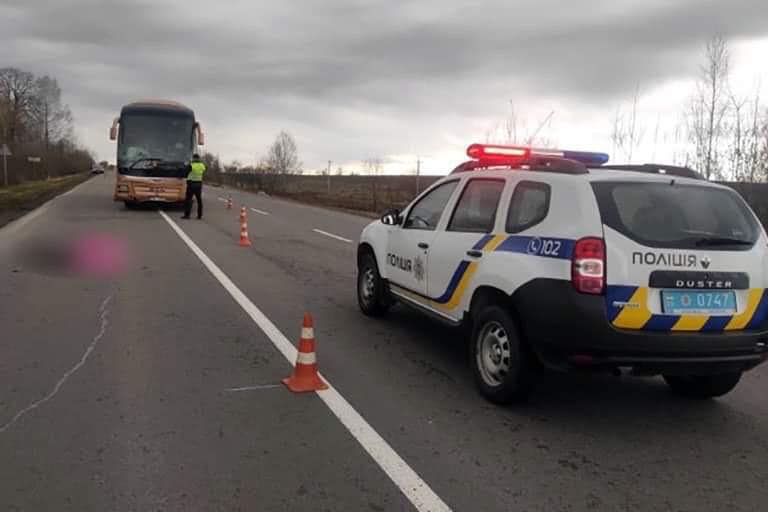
[(269, 173), (718, 130), (721, 132), (37, 127)]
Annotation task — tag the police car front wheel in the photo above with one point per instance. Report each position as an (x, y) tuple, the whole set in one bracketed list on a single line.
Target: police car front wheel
[(703, 386), (502, 368)]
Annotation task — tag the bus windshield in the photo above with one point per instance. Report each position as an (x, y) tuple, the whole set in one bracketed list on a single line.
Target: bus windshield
[(154, 142)]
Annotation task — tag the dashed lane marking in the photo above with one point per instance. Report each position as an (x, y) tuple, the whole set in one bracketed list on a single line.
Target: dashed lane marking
[(418, 492), (253, 388), (331, 235), (260, 212)]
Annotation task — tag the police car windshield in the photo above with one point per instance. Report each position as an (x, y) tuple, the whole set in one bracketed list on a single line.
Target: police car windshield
[(668, 215)]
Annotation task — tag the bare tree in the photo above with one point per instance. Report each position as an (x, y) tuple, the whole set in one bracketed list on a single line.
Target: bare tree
[(283, 156), (626, 135), (736, 157), (745, 131), (709, 107), (53, 119), (17, 89), (233, 167), (763, 144), (618, 134), (656, 137), (373, 167), (515, 129), (282, 159)]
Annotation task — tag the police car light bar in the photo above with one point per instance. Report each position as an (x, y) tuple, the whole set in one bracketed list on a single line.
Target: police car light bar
[(492, 152), (496, 154)]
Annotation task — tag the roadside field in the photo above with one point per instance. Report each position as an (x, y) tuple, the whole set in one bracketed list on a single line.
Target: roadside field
[(16, 200)]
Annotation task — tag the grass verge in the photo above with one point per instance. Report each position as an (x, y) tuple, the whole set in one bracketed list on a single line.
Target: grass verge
[(17, 200)]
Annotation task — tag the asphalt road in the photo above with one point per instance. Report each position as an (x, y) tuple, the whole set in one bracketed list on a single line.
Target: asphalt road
[(118, 393)]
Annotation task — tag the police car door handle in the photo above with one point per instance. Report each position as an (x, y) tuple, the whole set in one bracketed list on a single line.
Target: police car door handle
[(475, 254), (423, 245)]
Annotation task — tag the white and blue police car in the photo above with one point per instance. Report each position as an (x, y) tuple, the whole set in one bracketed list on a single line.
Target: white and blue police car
[(556, 258)]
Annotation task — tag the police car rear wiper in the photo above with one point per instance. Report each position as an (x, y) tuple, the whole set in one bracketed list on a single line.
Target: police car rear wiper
[(712, 241)]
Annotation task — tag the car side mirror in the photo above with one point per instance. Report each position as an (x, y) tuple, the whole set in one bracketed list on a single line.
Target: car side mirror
[(391, 217)]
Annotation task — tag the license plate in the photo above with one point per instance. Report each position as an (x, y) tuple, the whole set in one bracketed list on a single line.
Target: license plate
[(693, 302), (157, 199)]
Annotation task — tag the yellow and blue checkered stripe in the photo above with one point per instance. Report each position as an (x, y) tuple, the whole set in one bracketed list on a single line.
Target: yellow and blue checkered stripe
[(462, 276), (639, 317)]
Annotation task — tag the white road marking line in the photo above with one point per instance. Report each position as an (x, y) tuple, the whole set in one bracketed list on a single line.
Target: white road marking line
[(262, 212), (104, 317), (223, 199), (253, 388), (331, 235), (406, 479)]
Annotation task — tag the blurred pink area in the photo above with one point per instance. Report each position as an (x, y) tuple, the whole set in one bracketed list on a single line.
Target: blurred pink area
[(99, 255)]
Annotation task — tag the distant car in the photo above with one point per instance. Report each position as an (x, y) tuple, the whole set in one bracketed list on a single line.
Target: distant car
[(97, 170), (554, 257)]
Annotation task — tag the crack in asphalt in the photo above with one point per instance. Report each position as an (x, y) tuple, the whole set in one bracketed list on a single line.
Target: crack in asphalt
[(104, 322)]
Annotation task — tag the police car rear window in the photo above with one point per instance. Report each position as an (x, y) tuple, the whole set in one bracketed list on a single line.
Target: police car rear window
[(677, 216)]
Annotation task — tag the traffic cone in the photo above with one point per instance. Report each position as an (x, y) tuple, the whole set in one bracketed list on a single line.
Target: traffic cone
[(229, 203), (244, 240), (305, 377)]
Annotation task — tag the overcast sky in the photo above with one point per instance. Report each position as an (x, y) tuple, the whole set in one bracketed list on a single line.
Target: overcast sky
[(357, 79)]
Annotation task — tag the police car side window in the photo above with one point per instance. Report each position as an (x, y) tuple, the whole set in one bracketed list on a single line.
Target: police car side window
[(528, 207), (476, 210), (426, 213)]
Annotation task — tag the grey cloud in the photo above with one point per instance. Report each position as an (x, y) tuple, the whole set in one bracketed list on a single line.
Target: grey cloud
[(311, 62)]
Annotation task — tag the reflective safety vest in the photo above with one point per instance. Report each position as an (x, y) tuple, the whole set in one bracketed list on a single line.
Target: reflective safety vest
[(196, 171)]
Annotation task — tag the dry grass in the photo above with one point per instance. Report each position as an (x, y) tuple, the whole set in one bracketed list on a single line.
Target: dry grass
[(19, 199)]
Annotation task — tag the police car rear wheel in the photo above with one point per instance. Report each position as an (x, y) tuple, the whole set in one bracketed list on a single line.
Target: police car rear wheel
[(501, 366), (703, 386), (370, 288)]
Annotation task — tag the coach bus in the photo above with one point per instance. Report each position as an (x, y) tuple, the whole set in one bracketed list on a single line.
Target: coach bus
[(155, 143)]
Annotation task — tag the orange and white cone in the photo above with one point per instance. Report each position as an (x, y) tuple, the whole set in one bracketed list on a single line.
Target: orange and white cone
[(305, 377), (229, 203), (245, 241)]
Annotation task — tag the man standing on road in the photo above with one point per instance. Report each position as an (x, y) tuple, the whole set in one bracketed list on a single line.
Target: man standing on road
[(195, 187)]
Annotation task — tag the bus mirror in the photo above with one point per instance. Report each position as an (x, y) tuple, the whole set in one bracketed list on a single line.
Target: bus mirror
[(113, 130), (200, 135)]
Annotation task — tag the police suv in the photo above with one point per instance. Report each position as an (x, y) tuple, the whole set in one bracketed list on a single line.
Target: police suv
[(556, 258)]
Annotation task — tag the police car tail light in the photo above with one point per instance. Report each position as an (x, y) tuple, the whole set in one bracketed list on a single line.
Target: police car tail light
[(588, 266)]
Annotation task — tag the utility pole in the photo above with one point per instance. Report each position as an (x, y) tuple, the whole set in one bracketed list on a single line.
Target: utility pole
[(6, 153), (328, 178), (418, 174)]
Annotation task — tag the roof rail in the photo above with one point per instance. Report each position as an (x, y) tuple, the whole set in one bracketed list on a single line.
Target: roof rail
[(672, 170), (533, 163)]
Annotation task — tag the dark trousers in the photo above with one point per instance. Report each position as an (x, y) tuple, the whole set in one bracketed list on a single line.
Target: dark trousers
[(194, 189)]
